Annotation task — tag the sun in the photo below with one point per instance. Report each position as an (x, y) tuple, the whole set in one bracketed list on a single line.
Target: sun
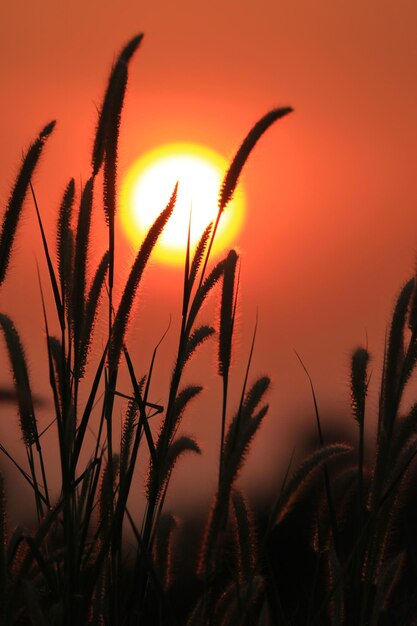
[(148, 186)]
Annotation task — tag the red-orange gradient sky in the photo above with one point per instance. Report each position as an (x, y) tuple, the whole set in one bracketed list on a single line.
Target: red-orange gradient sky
[(331, 228)]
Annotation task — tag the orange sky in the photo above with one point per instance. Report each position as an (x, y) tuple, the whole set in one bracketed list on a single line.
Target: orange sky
[(331, 230)]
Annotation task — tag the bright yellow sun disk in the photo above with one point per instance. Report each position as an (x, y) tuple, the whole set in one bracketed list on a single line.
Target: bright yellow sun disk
[(149, 184)]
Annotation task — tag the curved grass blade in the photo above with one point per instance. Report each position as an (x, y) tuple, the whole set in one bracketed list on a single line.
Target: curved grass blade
[(52, 277)]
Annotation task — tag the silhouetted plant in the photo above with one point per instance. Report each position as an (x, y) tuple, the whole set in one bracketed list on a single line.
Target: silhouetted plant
[(73, 567)]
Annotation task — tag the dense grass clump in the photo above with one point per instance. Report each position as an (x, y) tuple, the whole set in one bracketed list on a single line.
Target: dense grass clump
[(326, 552)]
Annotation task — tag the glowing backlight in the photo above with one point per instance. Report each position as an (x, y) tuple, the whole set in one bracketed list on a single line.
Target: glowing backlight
[(148, 186)]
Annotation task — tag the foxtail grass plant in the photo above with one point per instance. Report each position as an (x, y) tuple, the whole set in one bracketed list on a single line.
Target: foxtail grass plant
[(73, 566)]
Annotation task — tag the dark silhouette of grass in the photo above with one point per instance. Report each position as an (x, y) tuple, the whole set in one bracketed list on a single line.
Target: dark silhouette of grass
[(337, 546)]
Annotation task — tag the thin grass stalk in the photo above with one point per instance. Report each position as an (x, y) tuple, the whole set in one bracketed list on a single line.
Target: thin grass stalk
[(64, 445), (125, 306), (20, 469), (14, 206), (186, 288), (156, 582), (106, 508), (91, 499), (329, 494), (151, 365), (23, 568), (82, 428), (359, 387), (58, 303), (120, 508)]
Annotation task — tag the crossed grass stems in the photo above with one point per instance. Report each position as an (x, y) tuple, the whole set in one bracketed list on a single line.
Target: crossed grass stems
[(73, 568)]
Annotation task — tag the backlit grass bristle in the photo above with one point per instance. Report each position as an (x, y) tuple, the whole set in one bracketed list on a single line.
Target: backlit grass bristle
[(21, 379), (199, 253), (181, 402), (227, 309), (359, 383), (63, 243), (91, 310), (82, 239), (126, 302), (203, 291), (301, 477), (127, 435), (177, 448), (244, 537), (164, 547), (113, 99), (14, 206), (232, 176), (199, 336), (395, 351)]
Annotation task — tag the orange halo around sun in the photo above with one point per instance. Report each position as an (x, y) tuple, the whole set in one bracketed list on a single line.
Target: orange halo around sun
[(148, 186)]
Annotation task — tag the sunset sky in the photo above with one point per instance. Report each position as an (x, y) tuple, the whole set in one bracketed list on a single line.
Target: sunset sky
[(331, 190)]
